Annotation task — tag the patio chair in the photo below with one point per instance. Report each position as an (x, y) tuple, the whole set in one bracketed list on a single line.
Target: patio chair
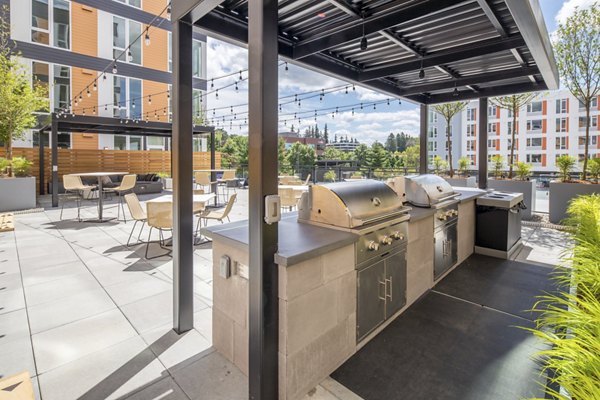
[(215, 215), (74, 190), (137, 213), (227, 182), (288, 198), (202, 179), (307, 181), (160, 216), (126, 186)]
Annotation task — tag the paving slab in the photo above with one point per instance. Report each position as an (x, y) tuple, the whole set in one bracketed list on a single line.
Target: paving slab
[(145, 286), (165, 389), (60, 288)]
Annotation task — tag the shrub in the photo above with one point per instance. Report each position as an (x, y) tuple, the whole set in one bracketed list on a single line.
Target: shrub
[(21, 166), (594, 169), (497, 165), (330, 176), (4, 163), (523, 170), (463, 164), (570, 320), (439, 165), (163, 175), (565, 165)]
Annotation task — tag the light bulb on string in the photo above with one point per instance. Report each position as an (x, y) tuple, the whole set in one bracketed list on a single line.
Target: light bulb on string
[(363, 40), (132, 103), (87, 92), (147, 37), (241, 75), (388, 102), (114, 69), (353, 111), (346, 89), (129, 56), (217, 94), (168, 94), (104, 77), (361, 106), (80, 98), (421, 71), (212, 83), (286, 66), (95, 86), (374, 106), (149, 99), (169, 11)]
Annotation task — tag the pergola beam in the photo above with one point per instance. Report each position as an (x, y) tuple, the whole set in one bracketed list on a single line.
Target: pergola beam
[(457, 54), (375, 23), (487, 92)]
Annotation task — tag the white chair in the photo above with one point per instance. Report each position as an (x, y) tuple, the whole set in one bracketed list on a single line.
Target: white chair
[(202, 179), (137, 213), (220, 215), (160, 216), (74, 190), (126, 186)]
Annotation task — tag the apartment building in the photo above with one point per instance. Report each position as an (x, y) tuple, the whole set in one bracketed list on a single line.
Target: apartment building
[(68, 44), (551, 125)]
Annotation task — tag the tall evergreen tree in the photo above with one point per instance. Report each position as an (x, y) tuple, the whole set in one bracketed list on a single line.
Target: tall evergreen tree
[(390, 143), (326, 134)]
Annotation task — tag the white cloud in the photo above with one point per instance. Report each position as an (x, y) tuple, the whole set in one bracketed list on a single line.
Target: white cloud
[(568, 8)]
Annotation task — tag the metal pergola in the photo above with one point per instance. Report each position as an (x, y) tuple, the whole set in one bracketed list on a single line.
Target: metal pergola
[(426, 51), (105, 125)]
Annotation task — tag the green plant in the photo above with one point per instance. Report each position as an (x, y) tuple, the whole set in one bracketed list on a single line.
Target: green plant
[(439, 165), (594, 169), (565, 165), (523, 170), (463, 165), (569, 322), (330, 176), (357, 174), (497, 165), (448, 111), (4, 163), (21, 166), (163, 175)]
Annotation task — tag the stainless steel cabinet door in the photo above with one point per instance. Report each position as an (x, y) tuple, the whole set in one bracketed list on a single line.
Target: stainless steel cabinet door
[(439, 263), (370, 299), (395, 271), (452, 245)]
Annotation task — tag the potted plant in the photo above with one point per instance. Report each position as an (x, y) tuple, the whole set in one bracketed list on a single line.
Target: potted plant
[(566, 188), (439, 165), (594, 169), (464, 180), (330, 176), (521, 184), (20, 100), (166, 180)]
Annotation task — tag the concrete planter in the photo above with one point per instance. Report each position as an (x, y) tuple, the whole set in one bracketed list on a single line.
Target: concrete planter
[(562, 193), (528, 188), (462, 182), (167, 183), (17, 194)]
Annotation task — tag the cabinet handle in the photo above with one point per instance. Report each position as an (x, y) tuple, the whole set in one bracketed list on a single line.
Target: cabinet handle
[(384, 289), (391, 288)]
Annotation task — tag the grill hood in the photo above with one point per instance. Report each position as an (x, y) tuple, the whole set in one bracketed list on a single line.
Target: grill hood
[(428, 190), (350, 204)]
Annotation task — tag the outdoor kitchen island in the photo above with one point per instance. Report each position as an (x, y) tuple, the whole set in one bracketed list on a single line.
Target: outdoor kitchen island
[(318, 278)]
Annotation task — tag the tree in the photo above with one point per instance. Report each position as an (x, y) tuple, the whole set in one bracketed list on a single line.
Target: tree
[(412, 154), (577, 48), (301, 155), (403, 141), (360, 154), (331, 153), (377, 156), (513, 103), (284, 165), (20, 100), (235, 151), (326, 134), (448, 111), (390, 143)]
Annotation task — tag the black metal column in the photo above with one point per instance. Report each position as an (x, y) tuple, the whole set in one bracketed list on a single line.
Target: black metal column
[(482, 142), (41, 163), (54, 144), (182, 161), (263, 82), (423, 132)]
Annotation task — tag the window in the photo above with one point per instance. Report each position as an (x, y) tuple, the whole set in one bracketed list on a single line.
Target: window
[(593, 122), (471, 158), (127, 93), (561, 124), (581, 141), (60, 89), (492, 110), (470, 114), (534, 125), (593, 105), (561, 143), (492, 127), (133, 3), (534, 158), (126, 32), (170, 51), (58, 32), (432, 146), (433, 117), (448, 143), (509, 127), (508, 144), (135, 142), (196, 58), (471, 130), (534, 107), (492, 143), (470, 145), (120, 142), (534, 142), (561, 106), (433, 132)]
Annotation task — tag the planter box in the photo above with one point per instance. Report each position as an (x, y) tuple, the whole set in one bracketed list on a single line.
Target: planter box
[(562, 193), (167, 183), (528, 188), (17, 194), (462, 182)]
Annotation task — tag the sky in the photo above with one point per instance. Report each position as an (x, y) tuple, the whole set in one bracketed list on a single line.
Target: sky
[(373, 123)]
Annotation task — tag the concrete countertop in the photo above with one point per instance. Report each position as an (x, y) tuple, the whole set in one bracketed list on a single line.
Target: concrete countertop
[(466, 194), (297, 241)]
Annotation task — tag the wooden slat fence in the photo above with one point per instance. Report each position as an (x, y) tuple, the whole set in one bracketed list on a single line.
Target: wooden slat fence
[(79, 160)]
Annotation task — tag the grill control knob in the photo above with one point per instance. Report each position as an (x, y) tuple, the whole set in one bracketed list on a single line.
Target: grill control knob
[(442, 217), (386, 240), (397, 236), (373, 246)]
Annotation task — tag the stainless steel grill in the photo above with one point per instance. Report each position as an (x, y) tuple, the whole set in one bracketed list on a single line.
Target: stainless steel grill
[(434, 192), (372, 210)]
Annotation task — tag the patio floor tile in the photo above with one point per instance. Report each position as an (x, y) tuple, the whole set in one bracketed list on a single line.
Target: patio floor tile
[(49, 315), (67, 343), (110, 373), (57, 289), (53, 273), (17, 356), (11, 300), (165, 389), (203, 323), (144, 286)]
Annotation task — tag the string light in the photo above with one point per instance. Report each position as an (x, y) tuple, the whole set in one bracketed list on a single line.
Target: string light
[(114, 70), (87, 92), (147, 37), (95, 87), (149, 99)]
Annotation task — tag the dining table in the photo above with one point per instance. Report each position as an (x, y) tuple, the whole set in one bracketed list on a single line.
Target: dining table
[(100, 176)]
